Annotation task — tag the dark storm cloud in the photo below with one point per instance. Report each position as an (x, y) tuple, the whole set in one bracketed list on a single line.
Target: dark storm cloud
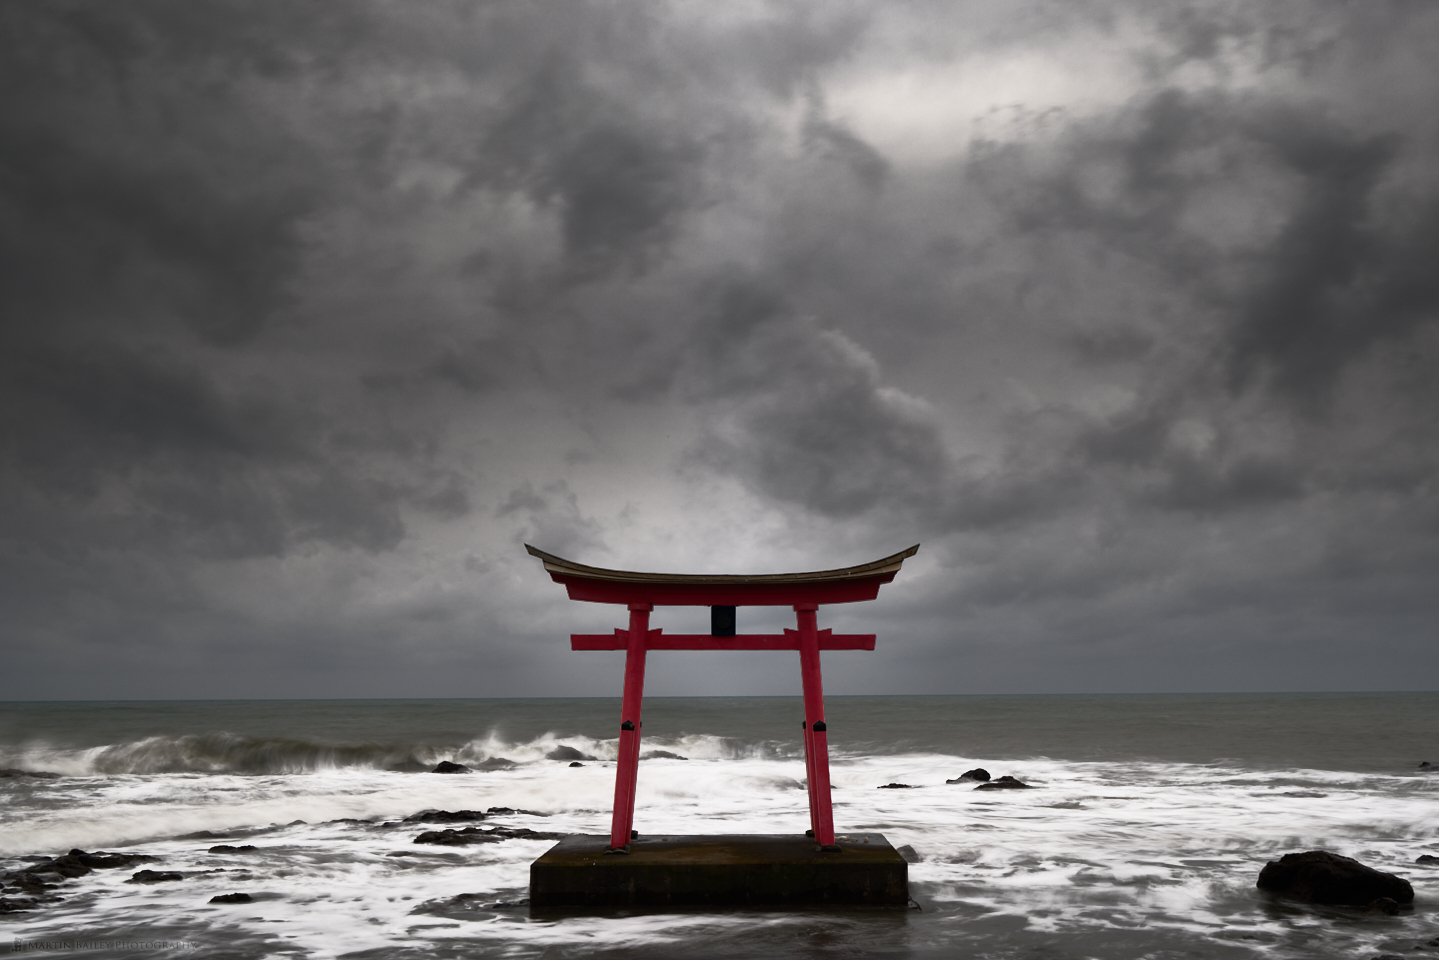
[(312, 315)]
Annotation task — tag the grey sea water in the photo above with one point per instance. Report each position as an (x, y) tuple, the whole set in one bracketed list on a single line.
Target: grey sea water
[(1151, 819)]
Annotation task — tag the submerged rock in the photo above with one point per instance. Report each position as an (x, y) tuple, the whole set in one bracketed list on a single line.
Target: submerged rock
[(36, 774), (155, 876), (1385, 906), (576, 763), (445, 766), (1318, 876), (445, 816), (1005, 783), (568, 753), (978, 775), (507, 811), (1426, 858), (233, 898), (895, 786), (495, 763), (469, 835), (226, 848), (658, 755)]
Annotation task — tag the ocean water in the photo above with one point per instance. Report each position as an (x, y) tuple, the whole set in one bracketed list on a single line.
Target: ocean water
[(1150, 822)]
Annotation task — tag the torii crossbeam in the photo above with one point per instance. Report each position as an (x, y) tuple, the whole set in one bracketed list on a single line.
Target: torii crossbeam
[(722, 593)]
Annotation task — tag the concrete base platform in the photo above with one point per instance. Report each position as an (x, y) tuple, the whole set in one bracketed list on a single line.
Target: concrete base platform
[(754, 870)]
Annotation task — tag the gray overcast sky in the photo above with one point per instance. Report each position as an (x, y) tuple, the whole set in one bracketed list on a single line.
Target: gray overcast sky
[(314, 313)]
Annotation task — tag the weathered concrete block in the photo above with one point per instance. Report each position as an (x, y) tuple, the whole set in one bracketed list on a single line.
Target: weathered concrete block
[(755, 870)]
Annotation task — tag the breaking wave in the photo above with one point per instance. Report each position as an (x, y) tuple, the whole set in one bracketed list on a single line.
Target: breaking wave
[(228, 753)]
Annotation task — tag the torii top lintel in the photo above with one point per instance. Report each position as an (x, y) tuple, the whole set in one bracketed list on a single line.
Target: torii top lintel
[(843, 585)]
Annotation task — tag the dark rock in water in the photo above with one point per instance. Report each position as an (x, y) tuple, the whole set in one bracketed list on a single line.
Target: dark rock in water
[(1426, 858), (36, 774), (445, 766), (506, 811), (47, 873), (1426, 765), (200, 835), (1318, 876), (568, 753), (895, 786), (459, 838), (1383, 905), (464, 906), (155, 876), (576, 763), (445, 816), (226, 848), (233, 898), (1005, 783), (908, 853), (16, 904), (495, 763), (109, 861), (658, 755), (978, 775)]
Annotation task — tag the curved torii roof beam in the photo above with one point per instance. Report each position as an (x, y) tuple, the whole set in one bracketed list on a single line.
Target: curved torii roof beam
[(841, 585)]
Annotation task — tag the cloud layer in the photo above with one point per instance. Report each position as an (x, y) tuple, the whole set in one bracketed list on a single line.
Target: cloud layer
[(311, 317)]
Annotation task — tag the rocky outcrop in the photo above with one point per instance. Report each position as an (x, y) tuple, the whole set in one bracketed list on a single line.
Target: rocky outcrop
[(445, 816), (466, 816), (1005, 783), (226, 848), (568, 753), (445, 766), (28, 888), (895, 786), (233, 898), (155, 876), (1318, 876), (469, 835), (977, 775), (661, 755)]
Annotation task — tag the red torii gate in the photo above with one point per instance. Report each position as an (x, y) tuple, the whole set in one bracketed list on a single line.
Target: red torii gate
[(722, 593)]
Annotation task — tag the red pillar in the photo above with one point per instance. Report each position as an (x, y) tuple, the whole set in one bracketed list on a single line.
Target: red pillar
[(816, 733), (628, 768)]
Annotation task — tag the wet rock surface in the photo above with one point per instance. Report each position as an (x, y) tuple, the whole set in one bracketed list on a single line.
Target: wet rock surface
[(466, 816), (1005, 783), (661, 755), (1318, 876), (977, 775), (465, 906), (469, 835), (226, 848), (568, 753), (895, 786), (156, 876), (446, 766), (32, 886), (233, 898)]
